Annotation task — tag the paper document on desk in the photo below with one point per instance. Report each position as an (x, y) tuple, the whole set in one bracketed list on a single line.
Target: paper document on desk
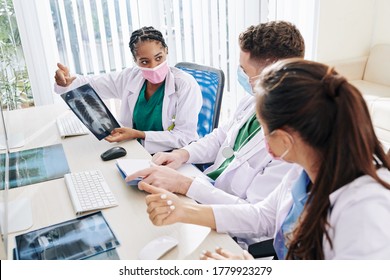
[(127, 167), (190, 238)]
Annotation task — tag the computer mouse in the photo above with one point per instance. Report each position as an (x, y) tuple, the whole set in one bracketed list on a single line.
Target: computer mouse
[(113, 153), (156, 248)]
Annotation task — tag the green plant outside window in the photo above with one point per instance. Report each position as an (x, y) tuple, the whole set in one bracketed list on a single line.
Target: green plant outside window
[(15, 88)]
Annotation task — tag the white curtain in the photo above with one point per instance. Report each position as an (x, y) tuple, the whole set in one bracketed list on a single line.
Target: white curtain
[(304, 14), (91, 36), (201, 31)]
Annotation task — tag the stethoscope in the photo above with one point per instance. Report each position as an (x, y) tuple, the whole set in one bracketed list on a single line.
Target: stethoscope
[(173, 119), (228, 152)]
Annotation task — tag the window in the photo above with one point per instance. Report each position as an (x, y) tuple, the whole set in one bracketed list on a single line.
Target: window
[(14, 81), (91, 36)]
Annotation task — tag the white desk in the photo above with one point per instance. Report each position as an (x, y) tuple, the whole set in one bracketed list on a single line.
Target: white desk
[(129, 221)]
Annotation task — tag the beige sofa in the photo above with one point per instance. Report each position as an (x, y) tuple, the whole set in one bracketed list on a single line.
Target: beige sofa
[(371, 75)]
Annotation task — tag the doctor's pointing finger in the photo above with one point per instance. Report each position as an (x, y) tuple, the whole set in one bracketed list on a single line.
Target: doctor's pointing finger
[(161, 205)]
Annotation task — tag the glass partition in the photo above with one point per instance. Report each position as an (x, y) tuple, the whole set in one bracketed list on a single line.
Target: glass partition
[(4, 180), (15, 213)]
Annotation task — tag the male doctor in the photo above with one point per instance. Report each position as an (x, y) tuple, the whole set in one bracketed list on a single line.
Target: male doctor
[(243, 170)]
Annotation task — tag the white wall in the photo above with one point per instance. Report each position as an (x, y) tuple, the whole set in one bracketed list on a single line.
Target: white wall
[(302, 13), (381, 32), (346, 27)]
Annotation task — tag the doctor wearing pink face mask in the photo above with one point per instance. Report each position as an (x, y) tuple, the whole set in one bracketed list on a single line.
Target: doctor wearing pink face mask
[(270, 151), (159, 104)]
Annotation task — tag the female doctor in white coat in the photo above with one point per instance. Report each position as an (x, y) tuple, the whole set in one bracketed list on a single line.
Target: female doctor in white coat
[(338, 205), (159, 104), (243, 170)]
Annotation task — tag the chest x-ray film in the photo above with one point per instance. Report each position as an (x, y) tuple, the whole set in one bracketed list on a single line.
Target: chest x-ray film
[(91, 110), (76, 239)]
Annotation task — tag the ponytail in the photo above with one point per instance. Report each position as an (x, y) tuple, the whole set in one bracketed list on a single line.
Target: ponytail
[(332, 117)]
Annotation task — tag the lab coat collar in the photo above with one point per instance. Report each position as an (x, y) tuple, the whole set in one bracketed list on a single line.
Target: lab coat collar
[(135, 85), (247, 151), (241, 118), (253, 146), (285, 204), (358, 182), (248, 100)]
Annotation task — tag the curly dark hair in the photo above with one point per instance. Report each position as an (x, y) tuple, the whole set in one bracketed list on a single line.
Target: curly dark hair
[(272, 40)]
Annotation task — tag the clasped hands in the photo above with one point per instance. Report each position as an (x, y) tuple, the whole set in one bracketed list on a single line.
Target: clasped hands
[(163, 206)]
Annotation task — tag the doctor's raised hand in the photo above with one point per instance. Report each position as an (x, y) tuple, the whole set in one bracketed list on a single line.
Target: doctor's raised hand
[(150, 93), (62, 76)]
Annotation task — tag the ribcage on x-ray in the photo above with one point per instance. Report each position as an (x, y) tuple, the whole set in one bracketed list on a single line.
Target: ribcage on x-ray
[(94, 114), (94, 104), (83, 111), (101, 115)]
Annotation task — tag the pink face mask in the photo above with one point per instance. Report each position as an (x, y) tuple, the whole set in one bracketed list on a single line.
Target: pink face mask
[(157, 74), (271, 152)]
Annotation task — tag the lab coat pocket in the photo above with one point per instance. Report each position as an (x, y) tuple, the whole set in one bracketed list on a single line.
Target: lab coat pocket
[(241, 179)]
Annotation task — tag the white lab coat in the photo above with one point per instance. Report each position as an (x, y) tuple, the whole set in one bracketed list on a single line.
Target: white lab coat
[(249, 178), (181, 104), (359, 219)]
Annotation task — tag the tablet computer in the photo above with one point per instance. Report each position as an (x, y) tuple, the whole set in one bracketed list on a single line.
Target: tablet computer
[(91, 110)]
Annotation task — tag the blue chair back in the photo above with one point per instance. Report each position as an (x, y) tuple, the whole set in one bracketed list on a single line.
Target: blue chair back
[(211, 81)]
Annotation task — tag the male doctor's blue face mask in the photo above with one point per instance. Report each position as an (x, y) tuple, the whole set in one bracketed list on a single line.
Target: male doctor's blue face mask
[(245, 81)]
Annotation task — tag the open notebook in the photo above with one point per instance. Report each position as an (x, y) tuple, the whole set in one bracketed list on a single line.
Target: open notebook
[(129, 166)]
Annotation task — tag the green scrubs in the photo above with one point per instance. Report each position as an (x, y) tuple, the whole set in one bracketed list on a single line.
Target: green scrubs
[(148, 113)]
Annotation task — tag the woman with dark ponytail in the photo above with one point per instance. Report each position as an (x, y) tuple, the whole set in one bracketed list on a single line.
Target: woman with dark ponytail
[(348, 204), (335, 203), (160, 104)]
